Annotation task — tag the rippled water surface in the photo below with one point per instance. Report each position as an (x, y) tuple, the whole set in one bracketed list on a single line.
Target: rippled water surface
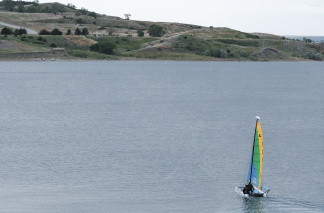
[(159, 136)]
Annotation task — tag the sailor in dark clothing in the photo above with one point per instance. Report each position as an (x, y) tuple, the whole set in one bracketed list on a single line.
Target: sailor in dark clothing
[(245, 190), (248, 189)]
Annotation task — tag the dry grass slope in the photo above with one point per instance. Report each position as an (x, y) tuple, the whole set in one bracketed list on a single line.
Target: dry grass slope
[(192, 41)]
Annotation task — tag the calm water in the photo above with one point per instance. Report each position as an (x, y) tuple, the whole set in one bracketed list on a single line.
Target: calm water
[(159, 136)]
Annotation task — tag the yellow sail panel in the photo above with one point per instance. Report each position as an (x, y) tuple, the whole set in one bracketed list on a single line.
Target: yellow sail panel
[(260, 139)]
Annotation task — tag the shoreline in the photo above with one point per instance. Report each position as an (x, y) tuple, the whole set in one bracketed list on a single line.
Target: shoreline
[(75, 59)]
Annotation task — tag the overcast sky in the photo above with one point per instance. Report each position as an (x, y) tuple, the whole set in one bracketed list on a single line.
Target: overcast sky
[(281, 17)]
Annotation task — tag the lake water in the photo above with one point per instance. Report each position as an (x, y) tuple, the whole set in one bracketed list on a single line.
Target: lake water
[(142, 136)]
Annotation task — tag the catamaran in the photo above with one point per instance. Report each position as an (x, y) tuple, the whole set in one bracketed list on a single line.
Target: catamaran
[(253, 182)]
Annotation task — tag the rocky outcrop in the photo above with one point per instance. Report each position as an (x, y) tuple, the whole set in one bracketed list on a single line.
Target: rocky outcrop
[(269, 53)]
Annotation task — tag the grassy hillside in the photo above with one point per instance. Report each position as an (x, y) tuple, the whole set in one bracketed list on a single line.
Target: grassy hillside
[(179, 42)]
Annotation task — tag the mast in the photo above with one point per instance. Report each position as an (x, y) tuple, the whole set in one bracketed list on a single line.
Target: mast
[(253, 146)]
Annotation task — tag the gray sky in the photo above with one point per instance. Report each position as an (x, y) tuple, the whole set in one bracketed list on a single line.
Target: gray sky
[(281, 17)]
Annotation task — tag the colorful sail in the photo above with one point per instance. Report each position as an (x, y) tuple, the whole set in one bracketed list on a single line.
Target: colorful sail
[(255, 169)]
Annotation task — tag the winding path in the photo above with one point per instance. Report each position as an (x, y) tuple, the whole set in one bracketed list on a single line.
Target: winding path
[(29, 31)]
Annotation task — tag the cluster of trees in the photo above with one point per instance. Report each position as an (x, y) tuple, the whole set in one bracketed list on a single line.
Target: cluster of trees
[(104, 47), (154, 31), (307, 40), (9, 31), (56, 31), (53, 32), (84, 31)]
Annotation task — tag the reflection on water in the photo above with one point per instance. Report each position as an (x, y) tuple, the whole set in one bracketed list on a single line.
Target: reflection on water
[(252, 205)]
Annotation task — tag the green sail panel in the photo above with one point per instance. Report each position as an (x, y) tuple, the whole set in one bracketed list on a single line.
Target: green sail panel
[(255, 173)]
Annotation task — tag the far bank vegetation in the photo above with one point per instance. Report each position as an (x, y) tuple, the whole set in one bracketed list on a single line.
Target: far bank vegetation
[(87, 34)]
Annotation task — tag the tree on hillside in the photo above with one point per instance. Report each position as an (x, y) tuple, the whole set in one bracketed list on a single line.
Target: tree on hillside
[(77, 31), (68, 32), (56, 32), (307, 40), (156, 31), (69, 5), (103, 47), (140, 33), (127, 16), (20, 31), (44, 32), (85, 31), (6, 31), (93, 14)]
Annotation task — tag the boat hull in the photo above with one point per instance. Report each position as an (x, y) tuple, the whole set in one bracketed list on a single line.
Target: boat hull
[(239, 191), (256, 192)]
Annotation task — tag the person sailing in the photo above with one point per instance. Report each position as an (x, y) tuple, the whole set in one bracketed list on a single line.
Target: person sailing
[(248, 189)]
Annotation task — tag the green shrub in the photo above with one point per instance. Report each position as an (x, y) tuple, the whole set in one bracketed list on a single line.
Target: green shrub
[(231, 54), (243, 54), (156, 31), (222, 54), (44, 32), (6, 31), (103, 47), (314, 56), (140, 33), (215, 53)]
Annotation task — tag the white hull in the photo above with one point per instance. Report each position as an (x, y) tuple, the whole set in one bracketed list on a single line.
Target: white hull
[(239, 191)]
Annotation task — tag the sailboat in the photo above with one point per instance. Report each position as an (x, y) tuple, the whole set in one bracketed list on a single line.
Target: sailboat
[(253, 182)]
